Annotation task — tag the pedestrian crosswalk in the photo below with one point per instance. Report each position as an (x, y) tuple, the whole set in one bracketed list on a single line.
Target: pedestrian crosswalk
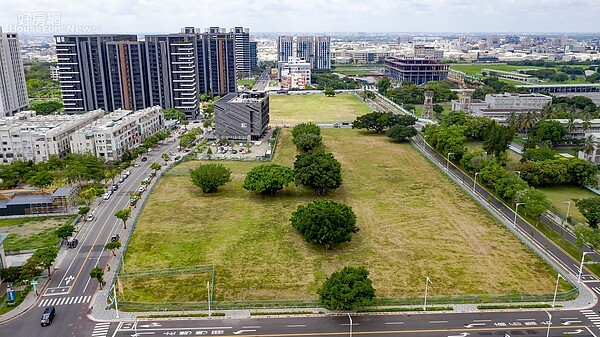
[(54, 301), (101, 329), (596, 289), (593, 316)]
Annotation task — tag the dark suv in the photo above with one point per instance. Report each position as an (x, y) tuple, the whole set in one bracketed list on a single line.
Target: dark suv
[(48, 316)]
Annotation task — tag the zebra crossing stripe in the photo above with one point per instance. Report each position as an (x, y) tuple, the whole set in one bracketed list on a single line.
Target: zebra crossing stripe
[(65, 301)]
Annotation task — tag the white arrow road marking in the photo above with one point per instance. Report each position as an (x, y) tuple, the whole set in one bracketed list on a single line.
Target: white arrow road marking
[(464, 334), (474, 325), (570, 322), (69, 279), (142, 333), (578, 331), (151, 325), (239, 332)]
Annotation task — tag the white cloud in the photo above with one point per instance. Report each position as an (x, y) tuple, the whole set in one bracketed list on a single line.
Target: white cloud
[(318, 15)]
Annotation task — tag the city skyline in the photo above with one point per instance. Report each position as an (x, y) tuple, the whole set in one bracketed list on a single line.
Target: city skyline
[(149, 16)]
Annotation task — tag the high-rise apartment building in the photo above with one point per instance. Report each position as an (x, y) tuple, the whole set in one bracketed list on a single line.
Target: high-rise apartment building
[(128, 74), (253, 56), (322, 58), (13, 90), (243, 65), (113, 72), (305, 49), (84, 71), (285, 48)]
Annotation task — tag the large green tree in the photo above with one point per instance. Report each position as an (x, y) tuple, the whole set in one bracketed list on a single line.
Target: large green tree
[(172, 113), (318, 170), (590, 209), (308, 141), (325, 222), (546, 132), (268, 178), (380, 121), (498, 139), (112, 246), (383, 85), (210, 176), (401, 133), (303, 128), (535, 201), (347, 289), (508, 186), (45, 257), (98, 274), (65, 231), (586, 235), (46, 107)]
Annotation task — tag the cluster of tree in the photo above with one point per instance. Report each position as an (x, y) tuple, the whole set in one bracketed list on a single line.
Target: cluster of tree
[(451, 134), (367, 94), (593, 78), (574, 104), (551, 172), (73, 168), (552, 74), (307, 136), (548, 133), (380, 121), (209, 177), (172, 113), (190, 137), (492, 85), (39, 82), (48, 107), (319, 171), (347, 289), (267, 179), (329, 80), (410, 93), (325, 222), (507, 185), (155, 138), (549, 64)]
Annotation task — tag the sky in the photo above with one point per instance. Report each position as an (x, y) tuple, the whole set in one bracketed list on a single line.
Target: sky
[(168, 16)]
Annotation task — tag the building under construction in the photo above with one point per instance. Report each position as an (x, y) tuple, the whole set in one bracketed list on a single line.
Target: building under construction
[(416, 70)]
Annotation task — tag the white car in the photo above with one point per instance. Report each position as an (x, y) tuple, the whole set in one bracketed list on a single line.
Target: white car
[(89, 217), (136, 165), (106, 196)]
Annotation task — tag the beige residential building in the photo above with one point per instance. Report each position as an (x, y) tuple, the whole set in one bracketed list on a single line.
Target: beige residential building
[(118, 131), (26, 136)]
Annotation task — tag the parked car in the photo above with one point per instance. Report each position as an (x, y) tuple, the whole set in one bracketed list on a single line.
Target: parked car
[(48, 316), (133, 202), (136, 164), (144, 158), (114, 238), (89, 217), (127, 174), (115, 187), (234, 151), (72, 243), (106, 196), (121, 179)]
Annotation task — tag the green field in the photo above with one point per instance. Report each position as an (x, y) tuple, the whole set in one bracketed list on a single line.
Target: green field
[(358, 70), (419, 109), (475, 70), (558, 195), (414, 222), (295, 109), (246, 82), (31, 233)]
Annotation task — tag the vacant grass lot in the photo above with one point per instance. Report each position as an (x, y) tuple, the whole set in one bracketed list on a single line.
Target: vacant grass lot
[(475, 70), (559, 194), (414, 222), (295, 109), (31, 233)]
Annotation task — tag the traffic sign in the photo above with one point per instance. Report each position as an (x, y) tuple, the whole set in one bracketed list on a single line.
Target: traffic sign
[(34, 282), (12, 296)]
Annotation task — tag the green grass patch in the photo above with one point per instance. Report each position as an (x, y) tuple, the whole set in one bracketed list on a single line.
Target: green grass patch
[(269, 313), (414, 222), (559, 195), (476, 69), (246, 82), (515, 306), (4, 308), (217, 314), (31, 233), (406, 309), (295, 109)]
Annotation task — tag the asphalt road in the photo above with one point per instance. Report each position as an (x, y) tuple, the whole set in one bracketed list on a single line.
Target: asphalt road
[(70, 289), (262, 82)]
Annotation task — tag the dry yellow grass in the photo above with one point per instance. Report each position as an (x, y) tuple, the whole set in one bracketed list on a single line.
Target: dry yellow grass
[(414, 222)]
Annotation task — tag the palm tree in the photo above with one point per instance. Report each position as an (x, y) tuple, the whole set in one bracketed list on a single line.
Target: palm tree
[(589, 145), (586, 123)]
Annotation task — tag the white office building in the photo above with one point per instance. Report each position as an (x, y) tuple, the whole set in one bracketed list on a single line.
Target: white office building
[(118, 131), (295, 73), (428, 52), (502, 106), (26, 136), (13, 90)]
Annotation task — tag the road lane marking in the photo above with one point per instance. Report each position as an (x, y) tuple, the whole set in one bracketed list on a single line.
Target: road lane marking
[(437, 322), (295, 326), (251, 327), (525, 319), (394, 323), (482, 320)]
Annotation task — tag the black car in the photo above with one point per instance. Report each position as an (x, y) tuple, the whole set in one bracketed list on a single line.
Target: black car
[(48, 316), (73, 243), (144, 159), (114, 238)]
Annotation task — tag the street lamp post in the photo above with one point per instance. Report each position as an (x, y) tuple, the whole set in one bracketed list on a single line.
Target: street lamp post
[(475, 181), (581, 266), (208, 289), (556, 289), (427, 281), (549, 323), (350, 318), (517, 212), (448, 159), (568, 210)]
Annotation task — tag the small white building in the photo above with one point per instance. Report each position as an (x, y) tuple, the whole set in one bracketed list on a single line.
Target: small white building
[(118, 131), (295, 73)]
